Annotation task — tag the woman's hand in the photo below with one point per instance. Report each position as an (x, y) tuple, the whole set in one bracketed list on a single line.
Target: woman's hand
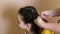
[(47, 14)]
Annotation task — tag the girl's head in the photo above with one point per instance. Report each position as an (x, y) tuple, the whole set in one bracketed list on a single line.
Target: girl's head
[(26, 18)]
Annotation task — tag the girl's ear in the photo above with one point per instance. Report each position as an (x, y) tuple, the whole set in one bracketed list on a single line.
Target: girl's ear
[(28, 26)]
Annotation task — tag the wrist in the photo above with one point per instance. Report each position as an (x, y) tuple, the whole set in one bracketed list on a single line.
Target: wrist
[(40, 22), (56, 13)]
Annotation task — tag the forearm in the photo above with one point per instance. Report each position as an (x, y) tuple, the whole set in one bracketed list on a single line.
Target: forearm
[(55, 27)]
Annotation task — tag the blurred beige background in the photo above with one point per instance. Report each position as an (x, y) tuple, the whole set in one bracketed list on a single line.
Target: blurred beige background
[(9, 9)]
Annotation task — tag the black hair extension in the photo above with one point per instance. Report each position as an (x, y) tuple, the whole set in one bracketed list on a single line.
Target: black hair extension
[(45, 20)]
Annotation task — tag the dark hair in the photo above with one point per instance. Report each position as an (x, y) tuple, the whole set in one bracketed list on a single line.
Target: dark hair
[(29, 13)]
